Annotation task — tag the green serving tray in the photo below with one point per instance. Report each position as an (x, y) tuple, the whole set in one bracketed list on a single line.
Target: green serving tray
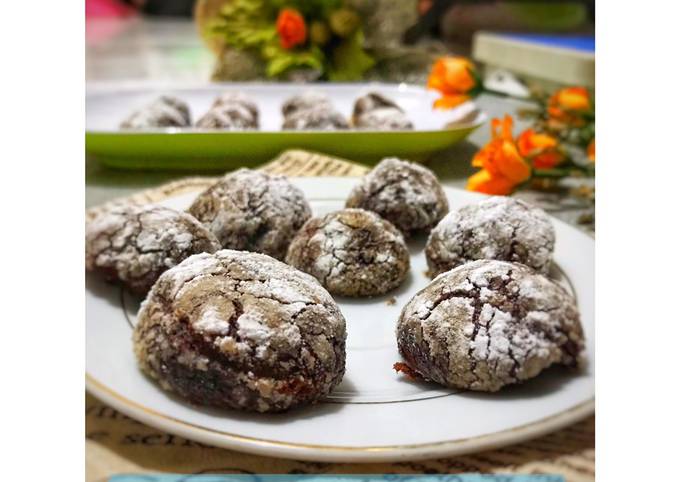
[(201, 149)]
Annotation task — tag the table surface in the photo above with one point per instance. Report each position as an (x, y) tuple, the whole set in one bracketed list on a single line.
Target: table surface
[(171, 51)]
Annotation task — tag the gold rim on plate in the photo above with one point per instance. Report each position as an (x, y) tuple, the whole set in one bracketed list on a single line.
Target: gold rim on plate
[(260, 446)]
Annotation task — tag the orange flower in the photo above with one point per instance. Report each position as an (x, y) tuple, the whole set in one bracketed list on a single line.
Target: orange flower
[(540, 149), (482, 181), (455, 78), (503, 167), (567, 106), (291, 28), (590, 150)]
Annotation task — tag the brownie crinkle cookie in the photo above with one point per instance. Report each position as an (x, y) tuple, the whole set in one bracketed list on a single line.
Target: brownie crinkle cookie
[(133, 245), (352, 252), (374, 111), (406, 194), (305, 101), (253, 211), (166, 111), (231, 111), (241, 330), (311, 111), (499, 228), (488, 324)]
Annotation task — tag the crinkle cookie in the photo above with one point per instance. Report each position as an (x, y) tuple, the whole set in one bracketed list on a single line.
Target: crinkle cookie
[(499, 228), (375, 111), (241, 330), (306, 101), (133, 245), (253, 211), (406, 194), (231, 111), (488, 324), (311, 111), (238, 98), (166, 111), (318, 118), (352, 252)]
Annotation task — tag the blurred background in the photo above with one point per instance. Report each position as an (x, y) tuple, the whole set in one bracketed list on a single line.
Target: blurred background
[(550, 41), (524, 53)]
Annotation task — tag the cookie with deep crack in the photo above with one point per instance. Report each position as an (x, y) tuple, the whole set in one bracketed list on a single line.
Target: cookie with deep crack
[(499, 228), (375, 111), (352, 252), (406, 194), (488, 324), (231, 111), (133, 245), (241, 330), (166, 111), (253, 211)]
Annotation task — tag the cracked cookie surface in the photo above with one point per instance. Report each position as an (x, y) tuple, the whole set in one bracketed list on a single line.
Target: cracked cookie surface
[(253, 211), (166, 111), (241, 330), (488, 324), (317, 118), (352, 252), (133, 245), (311, 111), (307, 100), (406, 194), (375, 111), (499, 228), (231, 111)]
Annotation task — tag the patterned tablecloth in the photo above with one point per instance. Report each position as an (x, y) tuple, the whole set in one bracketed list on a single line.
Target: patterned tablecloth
[(117, 444)]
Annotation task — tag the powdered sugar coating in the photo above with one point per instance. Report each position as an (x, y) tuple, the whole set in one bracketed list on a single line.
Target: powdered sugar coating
[(310, 99), (488, 324), (241, 330), (253, 211), (499, 228), (322, 117), (383, 120), (232, 111), (311, 110), (406, 194), (166, 111), (377, 112), (352, 252), (135, 244)]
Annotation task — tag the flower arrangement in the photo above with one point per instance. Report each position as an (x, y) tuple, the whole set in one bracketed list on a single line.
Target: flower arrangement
[(560, 143), (322, 36)]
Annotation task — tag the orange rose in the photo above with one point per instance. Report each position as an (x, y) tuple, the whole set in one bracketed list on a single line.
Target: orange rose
[(567, 106), (590, 150), (540, 149), (455, 78), (503, 167), (291, 28)]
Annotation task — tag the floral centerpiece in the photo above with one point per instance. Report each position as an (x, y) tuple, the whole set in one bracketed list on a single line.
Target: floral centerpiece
[(321, 37), (560, 143)]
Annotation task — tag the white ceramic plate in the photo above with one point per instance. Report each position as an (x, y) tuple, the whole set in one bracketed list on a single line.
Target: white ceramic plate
[(375, 414)]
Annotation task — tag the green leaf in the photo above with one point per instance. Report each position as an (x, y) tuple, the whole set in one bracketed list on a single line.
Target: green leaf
[(280, 60), (245, 23), (309, 8), (350, 61)]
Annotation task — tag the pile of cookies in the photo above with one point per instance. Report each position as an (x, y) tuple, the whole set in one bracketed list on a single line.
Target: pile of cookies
[(239, 309), (308, 111)]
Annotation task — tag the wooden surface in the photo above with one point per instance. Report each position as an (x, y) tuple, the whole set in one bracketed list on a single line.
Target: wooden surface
[(118, 444)]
